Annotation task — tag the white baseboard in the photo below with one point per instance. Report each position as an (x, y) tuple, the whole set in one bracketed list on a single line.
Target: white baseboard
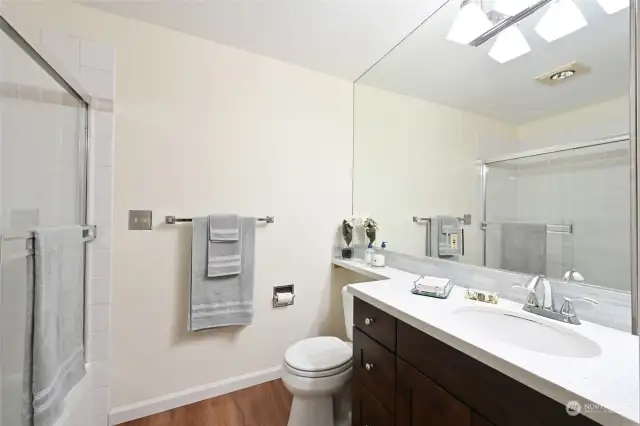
[(189, 396)]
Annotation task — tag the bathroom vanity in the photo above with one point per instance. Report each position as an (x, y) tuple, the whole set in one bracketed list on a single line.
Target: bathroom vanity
[(423, 361), (405, 377)]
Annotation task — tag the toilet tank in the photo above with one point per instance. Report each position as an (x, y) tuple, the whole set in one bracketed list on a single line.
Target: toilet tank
[(347, 306)]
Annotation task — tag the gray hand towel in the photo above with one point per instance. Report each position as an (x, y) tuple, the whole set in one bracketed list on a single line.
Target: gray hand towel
[(524, 248), (55, 325), (224, 248), (224, 227), (220, 301)]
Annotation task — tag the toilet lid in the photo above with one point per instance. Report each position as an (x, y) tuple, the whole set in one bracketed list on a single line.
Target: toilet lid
[(318, 354)]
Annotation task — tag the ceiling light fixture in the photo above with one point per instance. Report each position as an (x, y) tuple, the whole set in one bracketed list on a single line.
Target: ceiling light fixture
[(469, 24), (563, 74), (509, 45), (513, 7), (613, 6), (562, 18)]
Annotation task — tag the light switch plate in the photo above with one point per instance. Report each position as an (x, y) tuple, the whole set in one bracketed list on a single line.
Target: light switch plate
[(140, 220)]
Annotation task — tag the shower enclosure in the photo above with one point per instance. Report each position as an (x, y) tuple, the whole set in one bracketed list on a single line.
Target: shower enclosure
[(43, 175), (578, 195)]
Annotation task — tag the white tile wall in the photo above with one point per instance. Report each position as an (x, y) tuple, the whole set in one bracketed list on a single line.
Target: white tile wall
[(64, 48), (99, 291), (97, 82), (97, 55), (99, 318), (94, 66), (98, 346)]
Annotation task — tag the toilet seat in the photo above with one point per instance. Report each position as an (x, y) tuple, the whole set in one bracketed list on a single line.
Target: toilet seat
[(318, 357)]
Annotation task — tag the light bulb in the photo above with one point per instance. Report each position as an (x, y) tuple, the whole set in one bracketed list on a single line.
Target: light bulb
[(562, 18), (470, 23), (613, 6), (509, 45)]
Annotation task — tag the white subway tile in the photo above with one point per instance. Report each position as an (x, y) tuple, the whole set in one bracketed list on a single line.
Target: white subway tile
[(102, 180), (102, 151), (100, 374), (97, 82), (102, 138), (100, 401), (65, 49), (98, 347), (101, 263), (99, 318), (105, 237), (103, 123), (97, 55), (101, 420), (99, 291), (102, 208)]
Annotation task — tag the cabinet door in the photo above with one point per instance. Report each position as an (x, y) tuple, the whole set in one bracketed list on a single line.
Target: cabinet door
[(367, 411), (421, 402), (478, 420)]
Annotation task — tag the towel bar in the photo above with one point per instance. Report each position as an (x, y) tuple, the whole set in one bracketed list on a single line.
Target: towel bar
[(89, 233), (172, 220), (551, 228)]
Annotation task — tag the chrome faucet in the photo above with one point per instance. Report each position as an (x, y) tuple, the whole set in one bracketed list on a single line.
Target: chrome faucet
[(547, 308), (547, 299)]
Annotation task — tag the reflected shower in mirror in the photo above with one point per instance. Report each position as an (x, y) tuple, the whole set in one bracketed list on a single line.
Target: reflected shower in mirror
[(515, 113)]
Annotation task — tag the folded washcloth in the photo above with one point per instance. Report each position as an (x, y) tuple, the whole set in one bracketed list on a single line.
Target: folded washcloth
[(224, 227), (224, 246), (227, 300)]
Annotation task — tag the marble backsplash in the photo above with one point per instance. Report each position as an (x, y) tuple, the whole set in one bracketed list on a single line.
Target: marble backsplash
[(613, 309)]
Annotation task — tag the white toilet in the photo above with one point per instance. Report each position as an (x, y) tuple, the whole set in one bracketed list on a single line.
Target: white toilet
[(315, 370)]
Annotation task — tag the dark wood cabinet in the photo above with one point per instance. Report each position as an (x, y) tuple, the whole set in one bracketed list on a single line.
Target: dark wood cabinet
[(374, 366), (478, 420), (375, 323), (404, 377), (421, 402), (367, 410)]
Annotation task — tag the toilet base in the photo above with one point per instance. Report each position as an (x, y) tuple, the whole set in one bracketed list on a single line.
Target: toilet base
[(314, 411)]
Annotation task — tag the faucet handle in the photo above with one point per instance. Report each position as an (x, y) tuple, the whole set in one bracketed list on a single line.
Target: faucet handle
[(568, 309), (572, 275), (532, 299)]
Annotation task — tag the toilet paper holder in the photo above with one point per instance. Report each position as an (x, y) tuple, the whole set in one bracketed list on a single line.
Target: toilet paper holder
[(281, 290)]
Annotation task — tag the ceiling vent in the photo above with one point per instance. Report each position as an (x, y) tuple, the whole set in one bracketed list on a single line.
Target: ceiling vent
[(562, 74)]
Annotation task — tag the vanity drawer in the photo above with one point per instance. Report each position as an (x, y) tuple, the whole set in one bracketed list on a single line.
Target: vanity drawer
[(377, 324), (367, 411), (374, 368)]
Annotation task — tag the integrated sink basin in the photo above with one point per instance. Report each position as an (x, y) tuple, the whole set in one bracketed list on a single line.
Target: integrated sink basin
[(526, 331)]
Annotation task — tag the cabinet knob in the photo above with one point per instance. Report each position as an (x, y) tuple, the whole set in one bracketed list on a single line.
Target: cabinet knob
[(368, 321), (368, 367)]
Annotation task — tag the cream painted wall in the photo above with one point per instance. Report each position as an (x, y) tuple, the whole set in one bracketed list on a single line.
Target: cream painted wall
[(202, 127), (586, 124), (417, 158)]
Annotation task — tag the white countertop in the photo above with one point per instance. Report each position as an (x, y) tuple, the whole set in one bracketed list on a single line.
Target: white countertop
[(610, 380)]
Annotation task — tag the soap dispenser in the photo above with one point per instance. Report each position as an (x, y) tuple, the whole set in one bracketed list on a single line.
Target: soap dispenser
[(379, 258), (368, 254)]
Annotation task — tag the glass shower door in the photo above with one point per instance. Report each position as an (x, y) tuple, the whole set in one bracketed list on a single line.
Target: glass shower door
[(42, 183), (582, 195)]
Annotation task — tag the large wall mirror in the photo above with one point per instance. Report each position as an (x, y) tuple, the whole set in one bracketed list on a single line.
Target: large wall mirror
[(497, 134)]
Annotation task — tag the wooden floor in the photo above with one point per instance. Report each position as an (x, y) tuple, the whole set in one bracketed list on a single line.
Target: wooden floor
[(263, 405)]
